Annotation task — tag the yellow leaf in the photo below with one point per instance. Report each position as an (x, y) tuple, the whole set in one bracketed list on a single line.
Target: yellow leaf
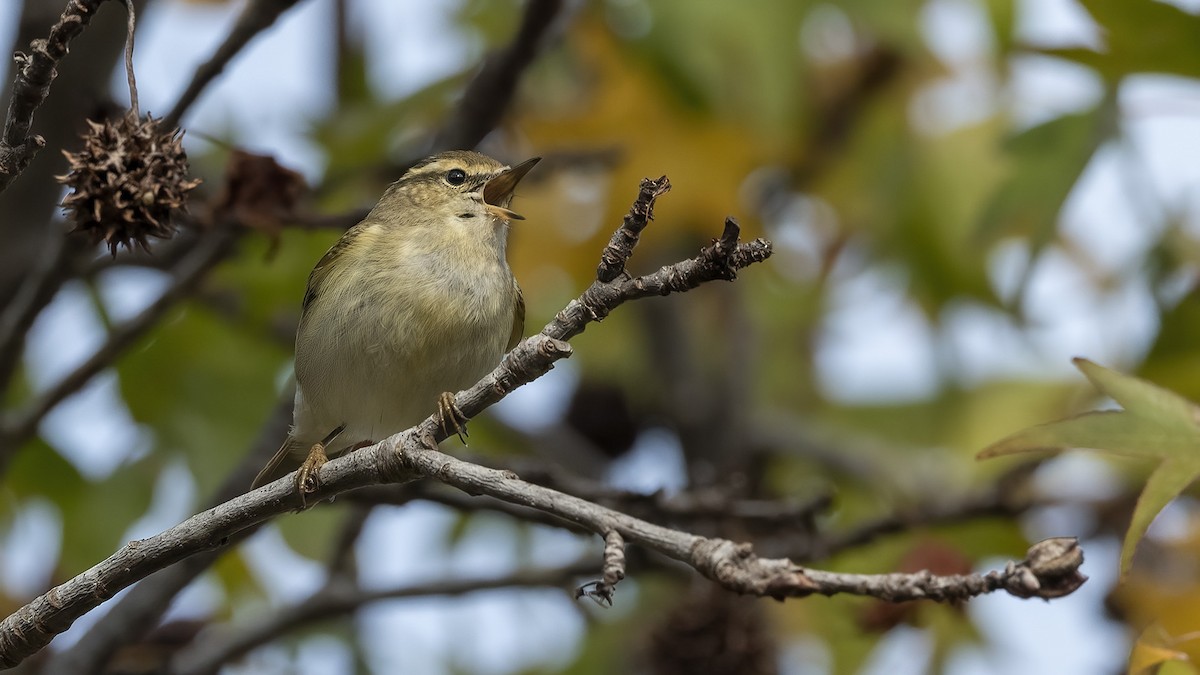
[(617, 106), (1153, 648)]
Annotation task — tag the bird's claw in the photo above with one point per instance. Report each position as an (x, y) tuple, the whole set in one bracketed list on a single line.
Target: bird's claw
[(308, 478), (451, 419)]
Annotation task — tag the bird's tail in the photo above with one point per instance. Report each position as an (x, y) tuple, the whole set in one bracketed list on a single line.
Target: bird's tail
[(278, 467)]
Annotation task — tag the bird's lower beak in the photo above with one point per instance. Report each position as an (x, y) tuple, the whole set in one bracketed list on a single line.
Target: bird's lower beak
[(497, 192)]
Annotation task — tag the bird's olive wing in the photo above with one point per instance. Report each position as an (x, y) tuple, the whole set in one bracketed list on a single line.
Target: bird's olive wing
[(324, 266), (518, 327)]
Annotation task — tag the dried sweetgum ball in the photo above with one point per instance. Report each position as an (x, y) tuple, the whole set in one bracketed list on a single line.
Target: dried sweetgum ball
[(127, 181)]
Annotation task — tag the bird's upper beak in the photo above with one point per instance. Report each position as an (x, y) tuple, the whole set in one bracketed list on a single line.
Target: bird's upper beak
[(497, 192)]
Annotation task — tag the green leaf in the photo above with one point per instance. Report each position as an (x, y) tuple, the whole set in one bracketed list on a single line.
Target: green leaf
[(204, 387), (95, 514), (1174, 360), (1154, 424), (310, 533), (39, 470), (1047, 161), (1140, 36)]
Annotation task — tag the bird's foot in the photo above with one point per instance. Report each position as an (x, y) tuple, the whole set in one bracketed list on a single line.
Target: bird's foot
[(308, 478), (452, 421)]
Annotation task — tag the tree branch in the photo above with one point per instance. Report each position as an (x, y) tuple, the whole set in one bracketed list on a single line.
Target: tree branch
[(620, 246), (734, 566), (1050, 571), (31, 627), (35, 73), (48, 272), (213, 649), (401, 495), (488, 96), (256, 16), (693, 507), (210, 250), (611, 573), (140, 609)]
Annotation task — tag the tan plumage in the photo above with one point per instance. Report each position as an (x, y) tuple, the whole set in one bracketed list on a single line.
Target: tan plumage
[(415, 300)]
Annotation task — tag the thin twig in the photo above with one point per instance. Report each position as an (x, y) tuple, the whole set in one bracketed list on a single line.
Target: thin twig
[(734, 566), (688, 506), (31, 627), (191, 270), (620, 247), (139, 610), (257, 16), (611, 574), (213, 649), (1050, 571), (488, 96), (424, 491), (130, 27), (51, 267), (35, 73)]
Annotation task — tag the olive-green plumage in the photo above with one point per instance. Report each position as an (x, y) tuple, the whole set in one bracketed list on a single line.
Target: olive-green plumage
[(415, 300)]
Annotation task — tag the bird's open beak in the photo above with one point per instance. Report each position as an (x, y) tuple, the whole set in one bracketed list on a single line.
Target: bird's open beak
[(497, 192)]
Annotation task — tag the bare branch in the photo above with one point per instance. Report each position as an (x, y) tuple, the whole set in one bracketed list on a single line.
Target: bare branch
[(49, 270), (1051, 569), (693, 507), (400, 495), (614, 559), (257, 16), (31, 627), (35, 73), (620, 247), (212, 650), (489, 94), (735, 566), (191, 270), (611, 574), (140, 609)]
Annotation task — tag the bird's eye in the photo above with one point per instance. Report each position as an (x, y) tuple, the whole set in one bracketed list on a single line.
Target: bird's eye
[(456, 177)]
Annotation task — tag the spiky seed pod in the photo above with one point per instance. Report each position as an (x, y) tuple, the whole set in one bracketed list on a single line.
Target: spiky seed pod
[(126, 181)]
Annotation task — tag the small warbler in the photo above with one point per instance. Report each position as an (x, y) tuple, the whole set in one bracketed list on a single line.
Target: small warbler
[(414, 302)]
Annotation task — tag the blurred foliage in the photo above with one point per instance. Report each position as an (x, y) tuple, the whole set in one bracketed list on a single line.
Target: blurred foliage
[(875, 157)]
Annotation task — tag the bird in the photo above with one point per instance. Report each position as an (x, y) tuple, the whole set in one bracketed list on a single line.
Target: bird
[(414, 302)]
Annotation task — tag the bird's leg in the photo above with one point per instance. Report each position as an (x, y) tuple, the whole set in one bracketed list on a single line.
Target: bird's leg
[(452, 419), (308, 478)]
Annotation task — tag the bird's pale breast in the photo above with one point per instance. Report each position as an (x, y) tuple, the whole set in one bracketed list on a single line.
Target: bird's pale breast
[(398, 346)]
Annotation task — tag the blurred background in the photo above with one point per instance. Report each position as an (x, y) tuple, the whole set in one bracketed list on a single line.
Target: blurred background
[(963, 195)]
